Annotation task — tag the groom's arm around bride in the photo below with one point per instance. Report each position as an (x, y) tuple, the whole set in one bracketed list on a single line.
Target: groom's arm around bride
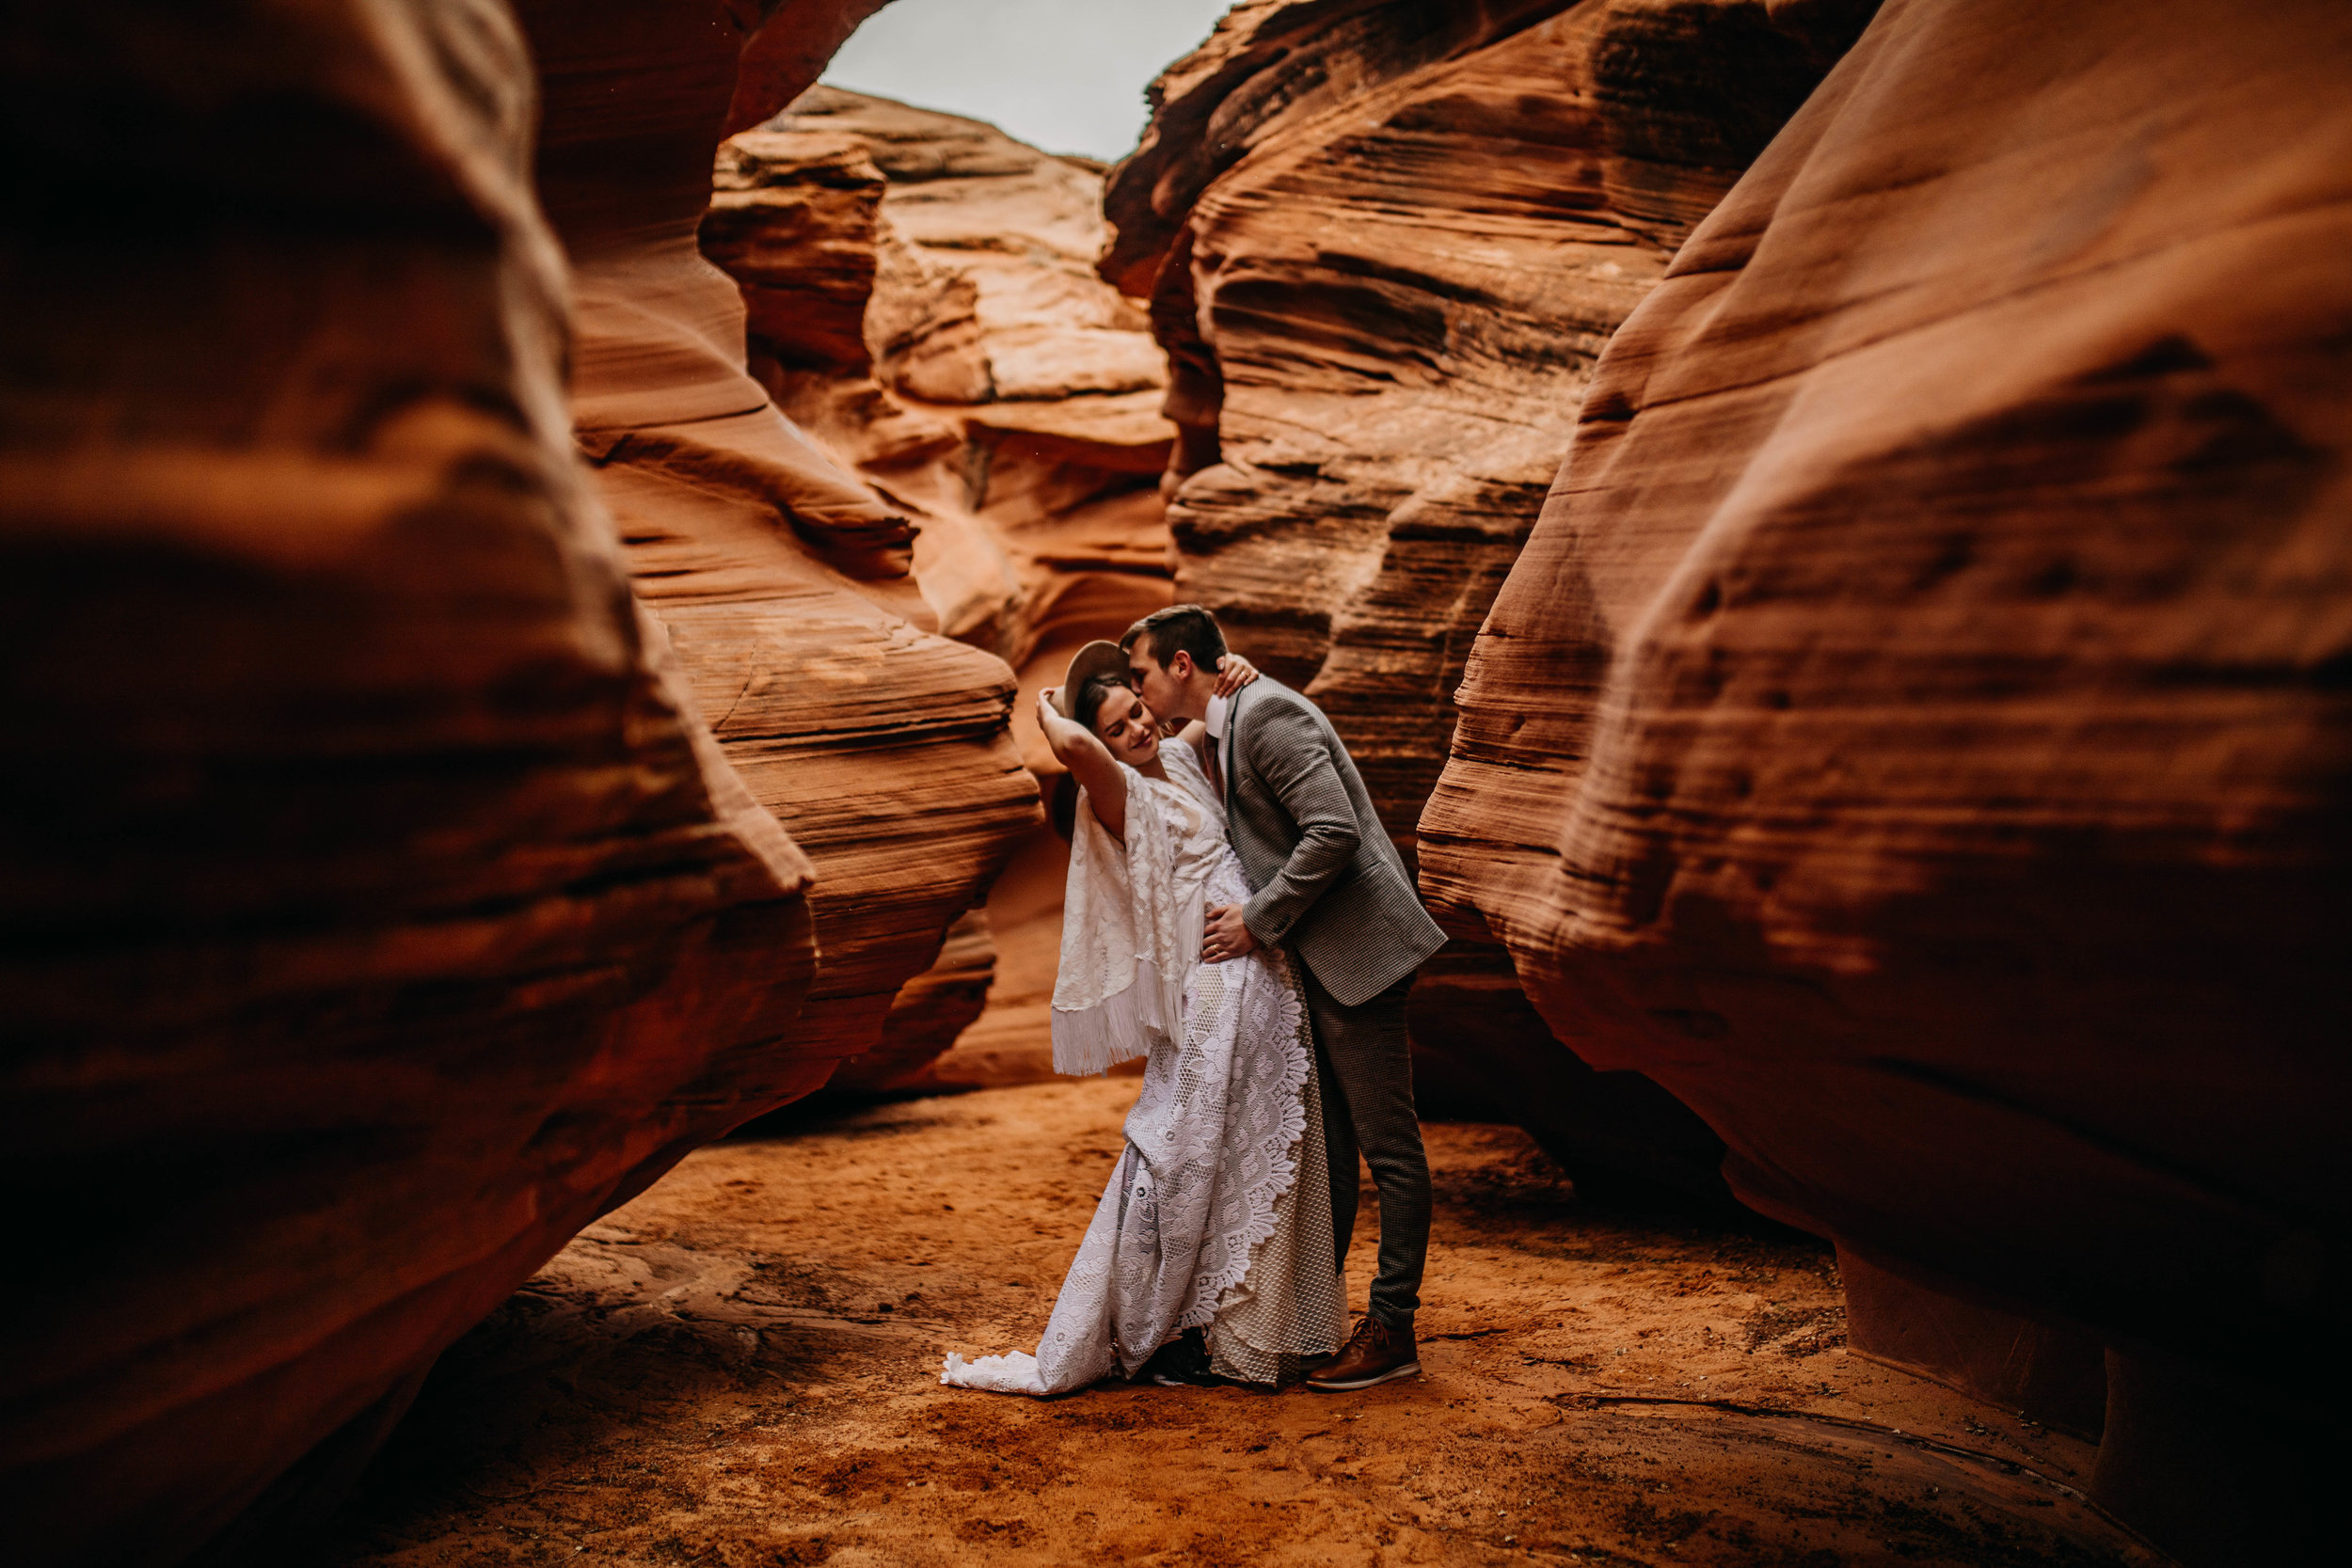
[(1328, 883)]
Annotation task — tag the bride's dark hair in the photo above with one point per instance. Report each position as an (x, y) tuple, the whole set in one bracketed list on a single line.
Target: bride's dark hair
[(1061, 800)]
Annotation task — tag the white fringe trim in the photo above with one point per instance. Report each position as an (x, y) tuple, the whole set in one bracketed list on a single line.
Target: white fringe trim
[(1121, 1027)]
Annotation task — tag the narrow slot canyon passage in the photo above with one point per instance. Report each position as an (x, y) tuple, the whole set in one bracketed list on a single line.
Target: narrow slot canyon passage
[(1797, 558), (740, 1369)]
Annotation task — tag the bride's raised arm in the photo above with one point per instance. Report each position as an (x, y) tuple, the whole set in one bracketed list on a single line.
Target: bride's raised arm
[(1089, 762)]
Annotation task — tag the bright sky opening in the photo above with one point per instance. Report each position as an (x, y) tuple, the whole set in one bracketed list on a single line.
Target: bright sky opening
[(1065, 75)]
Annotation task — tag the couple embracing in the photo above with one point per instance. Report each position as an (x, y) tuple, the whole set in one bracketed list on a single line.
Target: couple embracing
[(1236, 916)]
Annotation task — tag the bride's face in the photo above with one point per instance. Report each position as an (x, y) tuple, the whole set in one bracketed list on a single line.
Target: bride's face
[(1126, 727)]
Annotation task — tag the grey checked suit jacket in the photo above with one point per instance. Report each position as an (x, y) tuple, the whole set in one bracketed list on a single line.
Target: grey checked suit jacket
[(1325, 877)]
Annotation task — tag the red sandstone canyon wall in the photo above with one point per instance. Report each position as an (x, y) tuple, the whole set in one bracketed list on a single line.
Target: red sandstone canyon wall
[(785, 582), (378, 909), (390, 893), (1916, 733), (923, 305), (1383, 245)]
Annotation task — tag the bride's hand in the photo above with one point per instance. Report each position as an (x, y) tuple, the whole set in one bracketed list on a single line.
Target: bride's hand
[(1046, 715), (1234, 672)]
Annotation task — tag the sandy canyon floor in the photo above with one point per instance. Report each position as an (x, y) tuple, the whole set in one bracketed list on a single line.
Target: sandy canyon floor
[(739, 1368)]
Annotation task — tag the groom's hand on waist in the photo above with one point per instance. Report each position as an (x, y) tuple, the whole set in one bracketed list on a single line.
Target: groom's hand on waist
[(1225, 937)]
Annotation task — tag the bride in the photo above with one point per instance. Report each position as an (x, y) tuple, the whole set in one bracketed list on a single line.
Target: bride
[(1210, 1255)]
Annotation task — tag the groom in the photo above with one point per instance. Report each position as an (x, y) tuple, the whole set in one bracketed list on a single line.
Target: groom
[(1328, 883)]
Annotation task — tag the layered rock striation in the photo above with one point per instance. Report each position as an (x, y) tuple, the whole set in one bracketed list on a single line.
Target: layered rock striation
[(1916, 733), (1383, 245), (390, 893), (922, 303), (784, 581), (378, 909)]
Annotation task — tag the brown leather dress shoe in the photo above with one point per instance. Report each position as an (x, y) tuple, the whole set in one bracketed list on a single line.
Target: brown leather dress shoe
[(1374, 1354)]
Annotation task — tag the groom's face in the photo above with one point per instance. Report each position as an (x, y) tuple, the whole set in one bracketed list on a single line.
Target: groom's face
[(1161, 689)]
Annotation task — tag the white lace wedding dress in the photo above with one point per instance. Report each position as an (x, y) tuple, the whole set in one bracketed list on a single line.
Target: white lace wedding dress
[(1218, 1214)]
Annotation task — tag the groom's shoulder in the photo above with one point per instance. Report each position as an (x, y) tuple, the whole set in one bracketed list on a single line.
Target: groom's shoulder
[(1275, 716), (1270, 697)]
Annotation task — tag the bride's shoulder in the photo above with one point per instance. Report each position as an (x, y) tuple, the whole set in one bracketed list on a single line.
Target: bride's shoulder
[(1185, 774)]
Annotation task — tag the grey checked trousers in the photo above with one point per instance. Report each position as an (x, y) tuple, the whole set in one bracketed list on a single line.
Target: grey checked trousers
[(1366, 1067)]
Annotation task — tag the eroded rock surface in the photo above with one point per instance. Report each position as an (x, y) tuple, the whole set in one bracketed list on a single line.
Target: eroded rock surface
[(783, 581), (378, 910), (922, 302), (1384, 244), (1917, 732)]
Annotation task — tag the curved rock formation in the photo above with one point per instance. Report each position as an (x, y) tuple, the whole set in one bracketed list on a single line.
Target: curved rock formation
[(1384, 244), (783, 580), (381, 909), (1917, 733), (378, 912), (922, 302)]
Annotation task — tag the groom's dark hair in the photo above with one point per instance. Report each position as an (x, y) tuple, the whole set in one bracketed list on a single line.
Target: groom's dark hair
[(1185, 626)]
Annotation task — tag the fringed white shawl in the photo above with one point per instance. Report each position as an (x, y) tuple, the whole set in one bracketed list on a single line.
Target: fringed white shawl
[(1132, 917)]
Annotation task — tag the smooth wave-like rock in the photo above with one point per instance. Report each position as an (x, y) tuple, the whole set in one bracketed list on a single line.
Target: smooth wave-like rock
[(377, 909), (1383, 247), (1917, 733), (922, 302), (784, 579)]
